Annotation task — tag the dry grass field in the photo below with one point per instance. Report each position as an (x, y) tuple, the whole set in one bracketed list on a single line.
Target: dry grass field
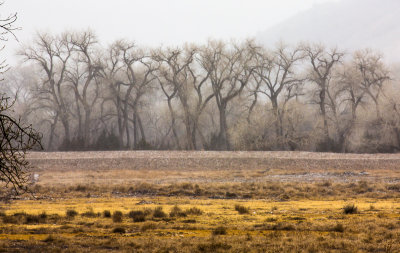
[(206, 202)]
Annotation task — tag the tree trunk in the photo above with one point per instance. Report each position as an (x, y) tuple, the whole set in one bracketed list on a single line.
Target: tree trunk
[(65, 123), (120, 126), (142, 134), (78, 111), (223, 137), (86, 136), (378, 112), (275, 109), (397, 133), (202, 138), (189, 143), (323, 113), (134, 131), (171, 111), (128, 137), (194, 130), (52, 129)]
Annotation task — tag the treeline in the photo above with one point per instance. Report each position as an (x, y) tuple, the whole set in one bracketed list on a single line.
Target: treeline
[(213, 96)]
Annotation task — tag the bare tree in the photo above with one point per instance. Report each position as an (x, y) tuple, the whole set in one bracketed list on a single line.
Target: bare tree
[(229, 69), (374, 75), (176, 62), (337, 110), (137, 78), (15, 137), (83, 73), (110, 72), (393, 119), (182, 71), (214, 95), (169, 90), (277, 79), (203, 95), (7, 28), (129, 74), (347, 93), (322, 66), (51, 54)]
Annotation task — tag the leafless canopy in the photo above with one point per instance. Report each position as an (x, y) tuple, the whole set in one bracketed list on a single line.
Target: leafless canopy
[(16, 138), (217, 95)]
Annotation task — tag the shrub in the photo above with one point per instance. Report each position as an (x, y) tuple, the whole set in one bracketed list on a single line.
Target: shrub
[(338, 228), (350, 209), (89, 214), (53, 218), (143, 145), (107, 141), (119, 230), (242, 209), (189, 221), (176, 211), (32, 219), (283, 226), (11, 219), (106, 214), (213, 247), (137, 216), (221, 230), (81, 188), (43, 215), (49, 238), (148, 226), (194, 211), (117, 216), (71, 213), (271, 219), (147, 211), (297, 218), (159, 213), (231, 195), (18, 218), (284, 197)]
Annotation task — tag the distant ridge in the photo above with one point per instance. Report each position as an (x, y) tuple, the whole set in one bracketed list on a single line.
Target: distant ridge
[(348, 24)]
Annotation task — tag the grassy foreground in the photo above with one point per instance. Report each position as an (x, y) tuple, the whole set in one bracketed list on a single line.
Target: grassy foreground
[(169, 224), (173, 201)]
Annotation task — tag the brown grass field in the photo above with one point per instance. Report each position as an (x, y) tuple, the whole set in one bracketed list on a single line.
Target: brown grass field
[(151, 201)]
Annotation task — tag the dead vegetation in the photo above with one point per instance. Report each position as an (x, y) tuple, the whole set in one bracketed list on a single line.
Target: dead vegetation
[(201, 225), (253, 208)]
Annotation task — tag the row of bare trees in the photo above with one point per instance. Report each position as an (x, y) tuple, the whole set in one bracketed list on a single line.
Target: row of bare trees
[(219, 95)]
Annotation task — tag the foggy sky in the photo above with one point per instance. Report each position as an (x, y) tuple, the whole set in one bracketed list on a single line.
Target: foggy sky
[(152, 22)]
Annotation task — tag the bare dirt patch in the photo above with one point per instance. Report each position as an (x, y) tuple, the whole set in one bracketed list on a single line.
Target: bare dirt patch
[(160, 167)]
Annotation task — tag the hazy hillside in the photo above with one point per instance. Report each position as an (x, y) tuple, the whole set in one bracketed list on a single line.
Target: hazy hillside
[(348, 24)]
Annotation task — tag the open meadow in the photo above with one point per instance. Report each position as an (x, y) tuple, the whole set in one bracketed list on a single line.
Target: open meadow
[(154, 201)]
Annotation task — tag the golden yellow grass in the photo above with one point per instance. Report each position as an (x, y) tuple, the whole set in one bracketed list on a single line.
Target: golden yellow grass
[(288, 221), (295, 202)]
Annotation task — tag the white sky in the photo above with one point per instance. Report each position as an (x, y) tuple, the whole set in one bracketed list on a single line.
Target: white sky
[(151, 22)]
